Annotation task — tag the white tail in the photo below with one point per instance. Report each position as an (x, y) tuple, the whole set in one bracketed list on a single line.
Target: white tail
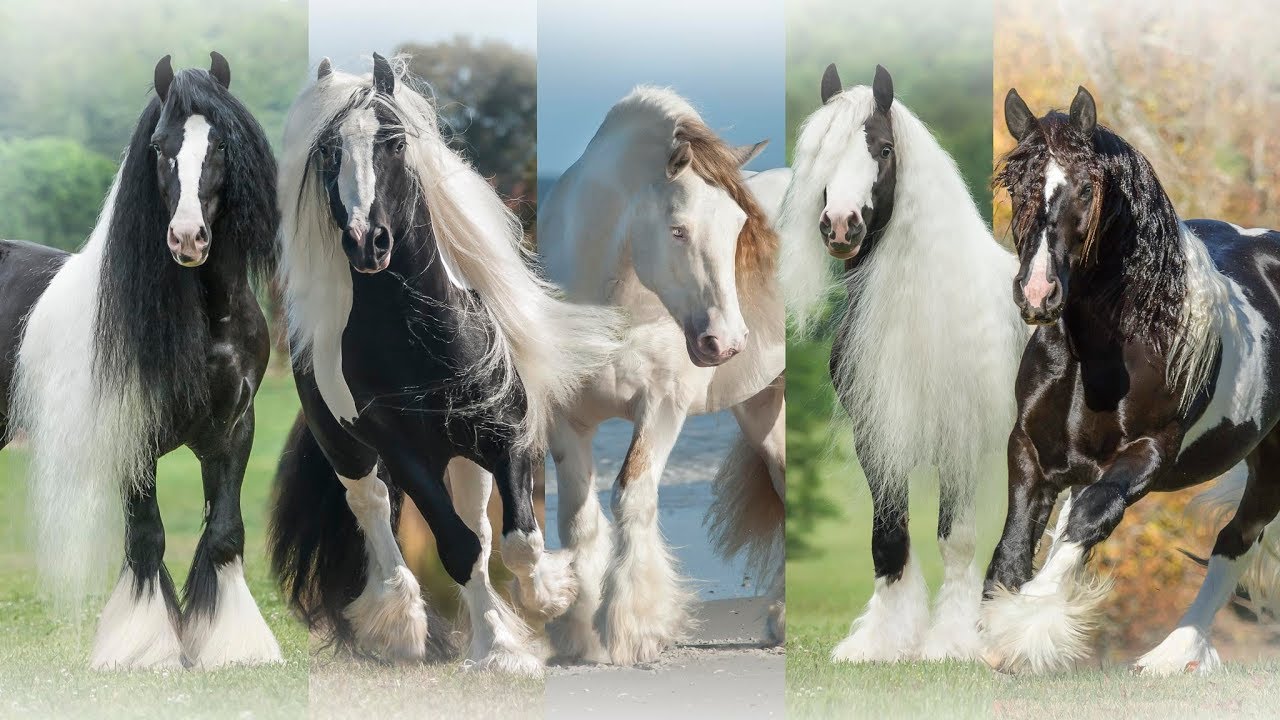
[(1217, 504), (746, 513), (86, 441)]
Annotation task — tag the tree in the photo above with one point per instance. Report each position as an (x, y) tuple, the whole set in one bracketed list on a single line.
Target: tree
[(487, 97), (51, 190)]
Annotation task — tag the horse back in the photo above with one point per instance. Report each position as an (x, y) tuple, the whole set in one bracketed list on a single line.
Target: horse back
[(25, 272)]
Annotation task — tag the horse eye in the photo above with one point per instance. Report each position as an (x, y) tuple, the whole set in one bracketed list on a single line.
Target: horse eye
[(222, 146), (155, 148), (679, 233), (1086, 192), (886, 151), (398, 148)]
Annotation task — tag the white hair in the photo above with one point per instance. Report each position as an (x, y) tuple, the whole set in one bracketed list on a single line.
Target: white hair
[(931, 335), (541, 343)]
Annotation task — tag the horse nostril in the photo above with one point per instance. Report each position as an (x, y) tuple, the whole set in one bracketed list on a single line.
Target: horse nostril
[(824, 224), (709, 344), (381, 239)]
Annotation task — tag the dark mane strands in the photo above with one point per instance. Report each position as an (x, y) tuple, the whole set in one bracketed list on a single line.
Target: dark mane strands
[(1133, 261), (151, 324)]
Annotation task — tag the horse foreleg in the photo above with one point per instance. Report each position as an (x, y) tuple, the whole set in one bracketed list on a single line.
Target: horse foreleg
[(584, 531), (1188, 648), (1046, 623), (544, 581), (222, 624), (954, 631), (138, 628), (499, 640), (645, 605), (893, 623)]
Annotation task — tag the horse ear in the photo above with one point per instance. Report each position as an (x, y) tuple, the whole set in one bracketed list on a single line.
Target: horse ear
[(325, 69), (163, 77), (220, 69), (882, 89), (680, 159), (384, 78), (831, 83), (1017, 116), (747, 153), (1084, 113)]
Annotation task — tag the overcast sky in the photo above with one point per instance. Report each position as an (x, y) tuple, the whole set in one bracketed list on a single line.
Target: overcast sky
[(350, 31), (726, 56)]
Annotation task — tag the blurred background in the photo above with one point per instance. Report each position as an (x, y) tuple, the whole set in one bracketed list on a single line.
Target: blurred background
[(74, 77), (726, 58), (939, 54), (1196, 88)]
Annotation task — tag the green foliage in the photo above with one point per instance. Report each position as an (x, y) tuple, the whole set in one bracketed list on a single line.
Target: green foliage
[(75, 75), (51, 190), (940, 55), (488, 98)]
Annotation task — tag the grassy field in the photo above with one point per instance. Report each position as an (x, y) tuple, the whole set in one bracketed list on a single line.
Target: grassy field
[(829, 582), (43, 655)]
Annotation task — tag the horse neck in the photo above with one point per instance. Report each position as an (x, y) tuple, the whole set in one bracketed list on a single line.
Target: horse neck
[(415, 278)]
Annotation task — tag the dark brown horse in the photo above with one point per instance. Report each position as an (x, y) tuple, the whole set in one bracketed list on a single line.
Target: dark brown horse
[(1148, 372)]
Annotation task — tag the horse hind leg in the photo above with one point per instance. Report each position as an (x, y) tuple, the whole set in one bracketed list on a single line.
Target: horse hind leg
[(748, 513), (585, 533), (138, 627), (222, 624), (954, 631), (1189, 648), (893, 624)]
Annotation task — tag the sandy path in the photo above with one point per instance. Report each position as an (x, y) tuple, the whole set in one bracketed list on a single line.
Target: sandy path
[(723, 673)]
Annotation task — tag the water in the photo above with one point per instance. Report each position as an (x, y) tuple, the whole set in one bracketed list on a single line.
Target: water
[(683, 498)]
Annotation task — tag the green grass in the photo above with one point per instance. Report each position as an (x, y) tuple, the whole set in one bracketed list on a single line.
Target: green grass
[(829, 583), (43, 658), (44, 654)]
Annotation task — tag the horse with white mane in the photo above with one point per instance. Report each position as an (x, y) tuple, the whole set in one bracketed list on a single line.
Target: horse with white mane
[(657, 218), (422, 340), (926, 350)]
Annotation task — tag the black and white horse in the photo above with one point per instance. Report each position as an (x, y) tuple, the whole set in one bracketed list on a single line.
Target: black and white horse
[(421, 339), (148, 339), (1150, 371), (924, 355)]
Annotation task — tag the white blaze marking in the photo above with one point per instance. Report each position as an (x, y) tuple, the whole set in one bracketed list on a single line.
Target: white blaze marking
[(1054, 178), (357, 183), (1037, 286), (190, 159)]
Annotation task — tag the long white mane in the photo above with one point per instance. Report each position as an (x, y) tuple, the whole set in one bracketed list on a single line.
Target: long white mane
[(932, 337), (542, 343)]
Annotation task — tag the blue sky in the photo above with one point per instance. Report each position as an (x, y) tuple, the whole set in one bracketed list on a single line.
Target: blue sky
[(350, 32), (727, 57)]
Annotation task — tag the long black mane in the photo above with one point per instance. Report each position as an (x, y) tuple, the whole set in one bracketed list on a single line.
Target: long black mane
[(1134, 266), (152, 325)]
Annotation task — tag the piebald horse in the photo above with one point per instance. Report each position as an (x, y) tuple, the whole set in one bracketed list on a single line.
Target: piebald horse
[(148, 339), (1149, 371), (657, 218), (422, 339), (925, 350)]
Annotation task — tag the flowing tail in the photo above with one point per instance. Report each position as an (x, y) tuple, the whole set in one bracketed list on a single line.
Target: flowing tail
[(1261, 580), (747, 514), (317, 551)]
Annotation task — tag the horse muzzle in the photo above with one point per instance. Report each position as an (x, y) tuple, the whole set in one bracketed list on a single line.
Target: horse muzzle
[(842, 235), (188, 244), (368, 248)]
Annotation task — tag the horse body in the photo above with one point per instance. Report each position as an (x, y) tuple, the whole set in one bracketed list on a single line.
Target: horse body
[(148, 339), (924, 355), (626, 211), (1148, 374), (422, 342)]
